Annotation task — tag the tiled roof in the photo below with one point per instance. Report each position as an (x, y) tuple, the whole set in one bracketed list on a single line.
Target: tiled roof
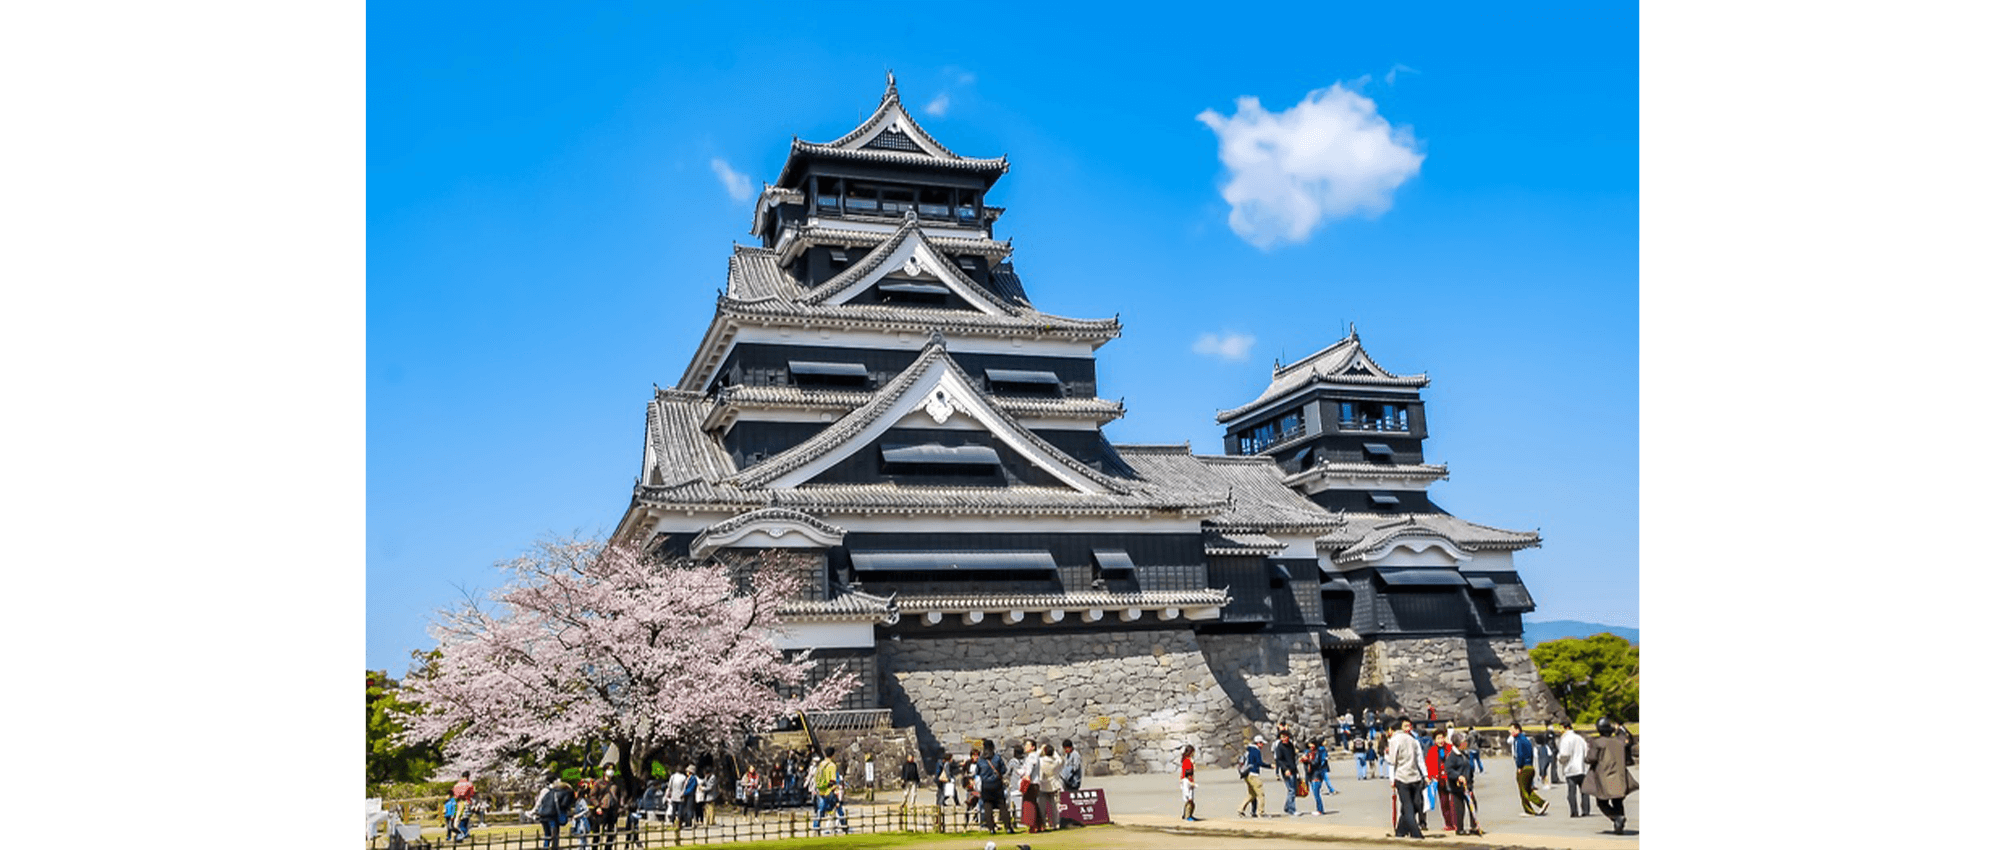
[(1252, 487), (1215, 542), (1146, 599), (796, 239), (890, 116), (1343, 362), (847, 427), (760, 290), (694, 471), (1385, 471), (1342, 638), (785, 396), (911, 228), (1361, 534), (771, 197), (851, 605)]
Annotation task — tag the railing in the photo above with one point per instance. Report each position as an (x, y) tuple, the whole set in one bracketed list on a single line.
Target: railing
[(1253, 444), (850, 718), (1390, 425), (765, 826)]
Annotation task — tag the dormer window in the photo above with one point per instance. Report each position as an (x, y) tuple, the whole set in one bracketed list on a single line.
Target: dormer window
[(899, 291), (933, 463), (1024, 382), (811, 374)]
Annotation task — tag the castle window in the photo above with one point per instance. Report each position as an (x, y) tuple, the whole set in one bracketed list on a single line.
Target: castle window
[(934, 203), (1287, 427), (1374, 416)]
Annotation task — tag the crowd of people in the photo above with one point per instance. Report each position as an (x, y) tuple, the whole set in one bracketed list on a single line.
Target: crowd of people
[(997, 789), (1433, 770)]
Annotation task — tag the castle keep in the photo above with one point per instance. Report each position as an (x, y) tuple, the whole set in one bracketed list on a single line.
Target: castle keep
[(878, 396)]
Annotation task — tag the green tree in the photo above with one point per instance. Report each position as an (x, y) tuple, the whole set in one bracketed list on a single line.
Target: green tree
[(1593, 677), (389, 761)]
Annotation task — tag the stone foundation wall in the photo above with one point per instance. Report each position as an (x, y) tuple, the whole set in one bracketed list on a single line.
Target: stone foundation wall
[(1129, 700), (1464, 677)]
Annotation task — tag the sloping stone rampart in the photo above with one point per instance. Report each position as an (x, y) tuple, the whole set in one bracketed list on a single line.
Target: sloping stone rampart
[(1129, 700), (1464, 677)]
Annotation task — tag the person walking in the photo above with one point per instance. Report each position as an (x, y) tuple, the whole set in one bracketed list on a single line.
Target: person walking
[(1317, 766), (1187, 782), (911, 776), (1288, 771), (1610, 777), (1545, 756), (1571, 749), (825, 781), (460, 826), (552, 809), (1250, 766), (1406, 771), (1524, 770)]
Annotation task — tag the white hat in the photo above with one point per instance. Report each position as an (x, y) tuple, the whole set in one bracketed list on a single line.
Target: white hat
[(1260, 739)]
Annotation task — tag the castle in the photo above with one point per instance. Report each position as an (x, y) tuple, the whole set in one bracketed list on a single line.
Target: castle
[(878, 397)]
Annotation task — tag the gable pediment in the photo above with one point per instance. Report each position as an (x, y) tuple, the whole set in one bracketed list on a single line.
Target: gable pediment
[(906, 256), (933, 392)]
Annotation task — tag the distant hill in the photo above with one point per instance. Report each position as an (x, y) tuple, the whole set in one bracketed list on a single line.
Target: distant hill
[(1534, 633)]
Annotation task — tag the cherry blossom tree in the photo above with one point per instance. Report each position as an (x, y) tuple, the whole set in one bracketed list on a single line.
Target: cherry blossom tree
[(591, 644)]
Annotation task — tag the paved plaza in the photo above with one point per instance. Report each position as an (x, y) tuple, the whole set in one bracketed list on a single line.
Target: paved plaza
[(1360, 812)]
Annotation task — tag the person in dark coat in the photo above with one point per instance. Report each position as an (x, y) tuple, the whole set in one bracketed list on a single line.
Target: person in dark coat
[(1610, 778), (1458, 782)]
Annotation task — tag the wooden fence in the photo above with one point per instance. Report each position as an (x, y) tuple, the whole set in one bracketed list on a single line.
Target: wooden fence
[(764, 826)]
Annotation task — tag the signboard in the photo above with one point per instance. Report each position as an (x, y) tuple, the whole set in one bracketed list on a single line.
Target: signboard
[(1085, 807)]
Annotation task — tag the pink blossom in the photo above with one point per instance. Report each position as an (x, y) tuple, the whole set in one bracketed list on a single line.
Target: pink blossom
[(595, 643)]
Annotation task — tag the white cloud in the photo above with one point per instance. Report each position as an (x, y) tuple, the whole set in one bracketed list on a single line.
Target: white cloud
[(732, 180), (938, 105), (1390, 78), (1232, 346), (1330, 156)]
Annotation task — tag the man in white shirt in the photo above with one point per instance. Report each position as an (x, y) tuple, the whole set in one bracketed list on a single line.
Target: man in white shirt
[(1570, 751)]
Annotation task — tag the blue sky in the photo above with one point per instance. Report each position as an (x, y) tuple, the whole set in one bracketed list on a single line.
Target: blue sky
[(547, 227)]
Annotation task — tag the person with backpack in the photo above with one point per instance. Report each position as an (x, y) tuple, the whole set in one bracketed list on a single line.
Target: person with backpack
[(825, 781), (992, 774), (552, 809)]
